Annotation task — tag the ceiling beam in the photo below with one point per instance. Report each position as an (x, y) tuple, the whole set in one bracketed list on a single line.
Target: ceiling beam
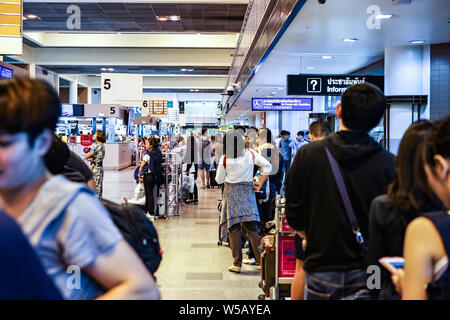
[(146, 1), (168, 82), (133, 40), (133, 57)]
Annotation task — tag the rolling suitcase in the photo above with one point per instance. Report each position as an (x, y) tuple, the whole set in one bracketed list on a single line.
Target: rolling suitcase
[(212, 179)]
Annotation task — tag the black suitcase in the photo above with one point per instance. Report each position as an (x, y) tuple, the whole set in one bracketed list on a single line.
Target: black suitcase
[(212, 179)]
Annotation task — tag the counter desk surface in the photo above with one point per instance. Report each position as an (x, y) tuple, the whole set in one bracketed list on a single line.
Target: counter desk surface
[(117, 155)]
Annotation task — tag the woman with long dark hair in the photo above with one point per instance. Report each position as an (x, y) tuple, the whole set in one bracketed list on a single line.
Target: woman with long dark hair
[(239, 208), (408, 197), (427, 242)]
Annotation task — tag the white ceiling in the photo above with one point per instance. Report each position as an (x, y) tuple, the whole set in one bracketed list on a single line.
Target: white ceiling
[(319, 29)]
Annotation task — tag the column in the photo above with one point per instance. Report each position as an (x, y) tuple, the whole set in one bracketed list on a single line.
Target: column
[(406, 72), (56, 82), (73, 92), (89, 95), (32, 69)]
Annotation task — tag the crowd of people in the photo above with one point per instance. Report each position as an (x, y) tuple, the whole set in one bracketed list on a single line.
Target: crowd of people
[(350, 201)]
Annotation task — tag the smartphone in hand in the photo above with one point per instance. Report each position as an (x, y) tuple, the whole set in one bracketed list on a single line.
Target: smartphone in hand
[(392, 263)]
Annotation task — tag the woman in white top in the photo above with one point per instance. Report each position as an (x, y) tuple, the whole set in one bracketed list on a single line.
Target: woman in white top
[(239, 206)]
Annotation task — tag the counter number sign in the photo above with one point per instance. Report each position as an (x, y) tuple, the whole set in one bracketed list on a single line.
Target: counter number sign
[(314, 85), (107, 84)]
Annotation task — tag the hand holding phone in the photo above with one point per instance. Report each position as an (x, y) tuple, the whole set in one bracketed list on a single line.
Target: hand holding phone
[(392, 264)]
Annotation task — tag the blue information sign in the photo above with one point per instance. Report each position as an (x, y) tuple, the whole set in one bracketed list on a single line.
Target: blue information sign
[(5, 72), (282, 104)]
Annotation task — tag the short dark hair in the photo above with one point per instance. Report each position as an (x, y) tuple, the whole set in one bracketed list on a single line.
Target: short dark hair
[(363, 106), (301, 133), (284, 132), (57, 156), (204, 130), (320, 128), (240, 128), (154, 142), (101, 137), (28, 105), (438, 142), (267, 133), (237, 146)]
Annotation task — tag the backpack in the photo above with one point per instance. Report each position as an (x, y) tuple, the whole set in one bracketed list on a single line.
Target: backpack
[(138, 231), (143, 172)]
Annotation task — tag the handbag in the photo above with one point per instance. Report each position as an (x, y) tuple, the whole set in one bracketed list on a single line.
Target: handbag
[(346, 199)]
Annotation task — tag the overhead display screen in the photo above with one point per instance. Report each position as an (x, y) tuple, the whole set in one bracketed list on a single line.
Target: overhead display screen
[(6, 72), (67, 110), (282, 104)]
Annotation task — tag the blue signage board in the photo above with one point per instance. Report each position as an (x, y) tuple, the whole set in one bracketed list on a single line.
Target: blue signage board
[(282, 104), (6, 72)]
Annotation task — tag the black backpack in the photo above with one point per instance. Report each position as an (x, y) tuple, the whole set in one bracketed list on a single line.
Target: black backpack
[(138, 231)]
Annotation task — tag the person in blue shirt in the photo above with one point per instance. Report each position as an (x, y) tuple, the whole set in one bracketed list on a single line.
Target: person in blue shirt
[(285, 150), (22, 276)]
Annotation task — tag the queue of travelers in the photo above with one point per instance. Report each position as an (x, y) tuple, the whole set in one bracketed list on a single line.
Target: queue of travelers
[(350, 201)]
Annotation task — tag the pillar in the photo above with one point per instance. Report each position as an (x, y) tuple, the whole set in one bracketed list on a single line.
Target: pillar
[(89, 96), (56, 82), (407, 72), (32, 69), (73, 92)]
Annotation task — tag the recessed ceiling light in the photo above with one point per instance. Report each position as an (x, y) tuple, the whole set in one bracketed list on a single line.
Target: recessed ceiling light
[(162, 18), (24, 18), (183, 70), (32, 16), (349, 40), (192, 90), (110, 69), (326, 57), (104, 69), (384, 16), (174, 18), (196, 90), (417, 41)]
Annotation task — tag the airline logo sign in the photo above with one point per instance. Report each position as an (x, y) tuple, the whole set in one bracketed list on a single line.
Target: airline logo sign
[(11, 27), (327, 85)]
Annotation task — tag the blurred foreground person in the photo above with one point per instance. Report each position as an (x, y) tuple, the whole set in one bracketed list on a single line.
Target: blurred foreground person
[(427, 241), (22, 276), (79, 246), (408, 197)]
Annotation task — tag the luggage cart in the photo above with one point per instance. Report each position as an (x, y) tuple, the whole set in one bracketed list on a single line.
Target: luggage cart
[(278, 258), (172, 184)]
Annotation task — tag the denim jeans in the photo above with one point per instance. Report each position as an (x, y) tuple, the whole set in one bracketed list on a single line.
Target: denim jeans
[(337, 285)]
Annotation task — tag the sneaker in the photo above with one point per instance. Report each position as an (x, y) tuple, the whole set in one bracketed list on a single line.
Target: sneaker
[(251, 261), (203, 187), (236, 269)]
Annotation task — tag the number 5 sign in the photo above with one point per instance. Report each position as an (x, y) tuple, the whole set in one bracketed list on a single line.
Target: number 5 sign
[(122, 88)]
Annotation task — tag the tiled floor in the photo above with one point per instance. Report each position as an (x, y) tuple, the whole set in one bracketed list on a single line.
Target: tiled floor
[(194, 267)]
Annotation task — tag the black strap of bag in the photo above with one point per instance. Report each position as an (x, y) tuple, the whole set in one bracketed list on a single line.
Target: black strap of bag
[(345, 198)]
